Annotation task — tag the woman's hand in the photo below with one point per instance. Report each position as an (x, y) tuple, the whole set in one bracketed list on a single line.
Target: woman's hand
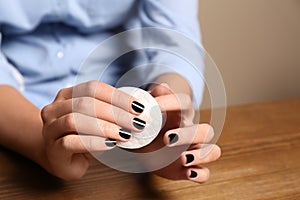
[(179, 130), (99, 112)]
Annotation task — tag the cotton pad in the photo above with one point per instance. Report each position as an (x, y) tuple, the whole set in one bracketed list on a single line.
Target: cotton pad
[(151, 115)]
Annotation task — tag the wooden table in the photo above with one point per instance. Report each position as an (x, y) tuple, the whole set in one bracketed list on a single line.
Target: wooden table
[(261, 160)]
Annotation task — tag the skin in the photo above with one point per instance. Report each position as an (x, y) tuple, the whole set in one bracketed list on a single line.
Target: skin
[(49, 136)]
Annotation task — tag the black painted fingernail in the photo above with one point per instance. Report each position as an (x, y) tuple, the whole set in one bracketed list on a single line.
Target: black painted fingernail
[(110, 142), (138, 123), (193, 174), (124, 133), (137, 107), (189, 158), (173, 138)]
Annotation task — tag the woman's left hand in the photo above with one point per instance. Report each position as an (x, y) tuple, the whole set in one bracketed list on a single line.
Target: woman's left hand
[(179, 130)]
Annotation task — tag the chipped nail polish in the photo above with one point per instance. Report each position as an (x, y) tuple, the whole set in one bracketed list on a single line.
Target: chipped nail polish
[(173, 138), (189, 158), (110, 142), (193, 174)]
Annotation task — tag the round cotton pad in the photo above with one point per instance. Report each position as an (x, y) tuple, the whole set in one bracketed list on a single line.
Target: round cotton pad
[(151, 115)]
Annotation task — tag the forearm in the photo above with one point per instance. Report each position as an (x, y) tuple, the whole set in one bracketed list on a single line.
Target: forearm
[(20, 125)]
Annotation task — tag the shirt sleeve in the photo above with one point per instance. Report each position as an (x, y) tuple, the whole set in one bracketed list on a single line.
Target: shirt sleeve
[(9, 75), (180, 16)]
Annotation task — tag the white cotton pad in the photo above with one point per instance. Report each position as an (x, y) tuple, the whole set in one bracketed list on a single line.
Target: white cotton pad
[(151, 115)]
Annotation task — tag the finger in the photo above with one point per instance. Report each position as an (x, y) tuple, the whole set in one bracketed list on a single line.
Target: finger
[(174, 102), (85, 144), (163, 89), (160, 90), (187, 117), (201, 156), (102, 92), (90, 157), (196, 134), (198, 175), (83, 124), (94, 108)]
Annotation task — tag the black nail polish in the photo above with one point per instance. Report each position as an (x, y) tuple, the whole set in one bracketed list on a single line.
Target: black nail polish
[(189, 158), (193, 174), (124, 133), (173, 138), (137, 107), (139, 124), (110, 142)]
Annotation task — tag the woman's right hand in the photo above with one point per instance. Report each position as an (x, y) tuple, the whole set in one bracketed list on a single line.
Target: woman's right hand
[(101, 114)]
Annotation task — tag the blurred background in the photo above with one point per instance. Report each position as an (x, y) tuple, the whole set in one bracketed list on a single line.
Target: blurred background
[(256, 46)]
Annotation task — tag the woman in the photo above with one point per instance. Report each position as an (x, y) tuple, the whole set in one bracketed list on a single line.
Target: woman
[(42, 46)]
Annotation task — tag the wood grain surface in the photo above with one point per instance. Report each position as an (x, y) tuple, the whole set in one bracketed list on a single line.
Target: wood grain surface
[(260, 160)]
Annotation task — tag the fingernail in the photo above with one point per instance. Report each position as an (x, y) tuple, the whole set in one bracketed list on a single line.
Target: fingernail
[(110, 142), (124, 133), (189, 158), (137, 107), (173, 138), (193, 174), (138, 123)]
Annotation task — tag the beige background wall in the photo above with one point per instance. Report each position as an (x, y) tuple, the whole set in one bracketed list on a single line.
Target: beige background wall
[(256, 45)]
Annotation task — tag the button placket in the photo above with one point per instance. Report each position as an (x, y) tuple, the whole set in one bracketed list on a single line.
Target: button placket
[(61, 8)]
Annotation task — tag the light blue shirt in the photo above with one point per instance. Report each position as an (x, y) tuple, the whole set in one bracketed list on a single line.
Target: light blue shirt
[(44, 42)]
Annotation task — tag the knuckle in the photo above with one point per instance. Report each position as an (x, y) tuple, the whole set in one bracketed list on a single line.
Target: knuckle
[(91, 144), (69, 122), (117, 96), (118, 116), (88, 144), (80, 104), (91, 87), (109, 130), (104, 129), (45, 113), (99, 84), (159, 89), (65, 143), (60, 93)]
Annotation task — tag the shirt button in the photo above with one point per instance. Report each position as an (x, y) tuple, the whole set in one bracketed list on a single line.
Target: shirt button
[(60, 54)]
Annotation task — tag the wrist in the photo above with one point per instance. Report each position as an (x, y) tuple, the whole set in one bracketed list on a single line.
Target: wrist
[(21, 131), (39, 155)]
